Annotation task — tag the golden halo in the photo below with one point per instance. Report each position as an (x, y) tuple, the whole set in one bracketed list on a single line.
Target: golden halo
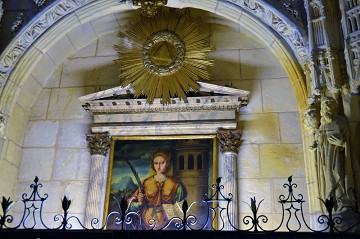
[(166, 56)]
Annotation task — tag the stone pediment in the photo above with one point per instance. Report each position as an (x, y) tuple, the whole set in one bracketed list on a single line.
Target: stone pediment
[(117, 112), (210, 97)]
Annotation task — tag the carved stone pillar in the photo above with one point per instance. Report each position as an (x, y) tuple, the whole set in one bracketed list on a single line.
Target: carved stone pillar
[(229, 146), (98, 145)]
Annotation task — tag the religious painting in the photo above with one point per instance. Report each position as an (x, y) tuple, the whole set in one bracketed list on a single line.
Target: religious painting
[(155, 174)]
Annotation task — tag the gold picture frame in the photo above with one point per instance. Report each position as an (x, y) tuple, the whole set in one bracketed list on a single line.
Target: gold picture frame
[(194, 163)]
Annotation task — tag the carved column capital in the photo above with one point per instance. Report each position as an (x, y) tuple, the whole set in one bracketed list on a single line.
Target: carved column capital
[(230, 140), (98, 143)]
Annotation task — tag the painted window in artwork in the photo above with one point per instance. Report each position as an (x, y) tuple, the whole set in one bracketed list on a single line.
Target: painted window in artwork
[(191, 161), (199, 162), (181, 162)]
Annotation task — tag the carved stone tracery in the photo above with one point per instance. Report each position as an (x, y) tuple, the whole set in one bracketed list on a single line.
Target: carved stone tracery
[(350, 11)]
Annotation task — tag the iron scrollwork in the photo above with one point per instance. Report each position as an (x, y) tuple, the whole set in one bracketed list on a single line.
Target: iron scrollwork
[(217, 204)]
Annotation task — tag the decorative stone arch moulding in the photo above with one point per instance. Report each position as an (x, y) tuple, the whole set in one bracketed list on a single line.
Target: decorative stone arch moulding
[(30, 33), (261, 11), (239, 11)]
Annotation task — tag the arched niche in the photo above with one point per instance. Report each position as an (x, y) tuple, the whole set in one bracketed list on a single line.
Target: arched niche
[(35, 47)]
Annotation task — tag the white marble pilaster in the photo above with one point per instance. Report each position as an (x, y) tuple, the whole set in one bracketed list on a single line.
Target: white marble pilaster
[(98, 145), (229, 146)]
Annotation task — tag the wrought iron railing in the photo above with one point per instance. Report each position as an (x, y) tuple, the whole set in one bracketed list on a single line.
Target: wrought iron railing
[(217, 214)]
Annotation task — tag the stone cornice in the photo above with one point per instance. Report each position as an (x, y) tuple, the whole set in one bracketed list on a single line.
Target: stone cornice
[(191, 104), (106, 101), (118, 113)]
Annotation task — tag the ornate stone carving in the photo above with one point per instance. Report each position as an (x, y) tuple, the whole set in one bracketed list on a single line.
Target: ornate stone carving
[(325, 47), (334, 167), (39, 3), (98, 143), (350, 17), (326, 72), (312, 81), (290, 9), (229, 140), (19, 21), (149, 7), (312, 122), (255, 7), (34, 30), (271, 18)]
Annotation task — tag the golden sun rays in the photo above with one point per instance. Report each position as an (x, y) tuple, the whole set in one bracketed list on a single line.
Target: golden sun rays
[(164, 56)]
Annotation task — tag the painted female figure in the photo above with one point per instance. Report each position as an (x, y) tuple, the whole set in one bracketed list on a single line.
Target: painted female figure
[(160, 192)]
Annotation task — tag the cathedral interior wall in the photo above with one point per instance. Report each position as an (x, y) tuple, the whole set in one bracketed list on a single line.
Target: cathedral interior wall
[(46, 132)]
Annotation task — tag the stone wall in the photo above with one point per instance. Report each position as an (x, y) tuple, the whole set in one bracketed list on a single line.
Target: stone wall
[(49, 137), (272, 143)]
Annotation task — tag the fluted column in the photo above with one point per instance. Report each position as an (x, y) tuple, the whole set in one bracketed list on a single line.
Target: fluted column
[(229, 146), (98, 145)]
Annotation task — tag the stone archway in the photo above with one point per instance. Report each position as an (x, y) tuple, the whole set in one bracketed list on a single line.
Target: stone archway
[(33, 48), (72, 14)]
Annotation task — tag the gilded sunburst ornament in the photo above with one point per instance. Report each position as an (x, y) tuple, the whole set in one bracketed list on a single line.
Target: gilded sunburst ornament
[(167, 55)]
